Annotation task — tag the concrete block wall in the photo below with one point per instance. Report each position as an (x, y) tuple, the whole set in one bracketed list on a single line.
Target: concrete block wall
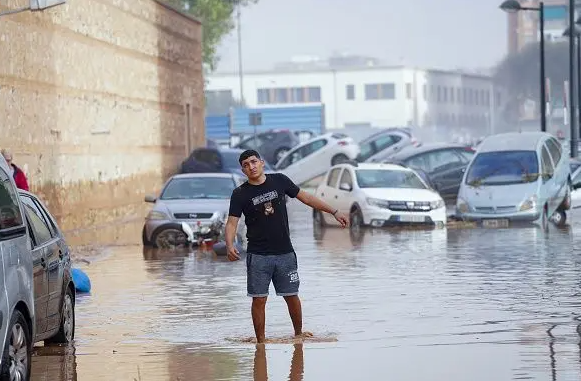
[(94, 101)]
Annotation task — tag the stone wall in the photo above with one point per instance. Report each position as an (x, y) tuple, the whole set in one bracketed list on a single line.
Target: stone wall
[(102, 99)]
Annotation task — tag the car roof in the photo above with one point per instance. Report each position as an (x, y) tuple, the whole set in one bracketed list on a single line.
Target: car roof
[(386, 131), (411, 150), (513, 141), (386, 166), (224, 175)]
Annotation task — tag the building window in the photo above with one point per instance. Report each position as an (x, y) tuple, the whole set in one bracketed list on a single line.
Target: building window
[(380, 91), (350, 90), (408, 90), (297, 95), (281, 95), (314, 94), (263, 96)]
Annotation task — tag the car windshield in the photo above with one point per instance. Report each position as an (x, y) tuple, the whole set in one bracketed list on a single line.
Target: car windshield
[(385, 178), (198, 187), (230, 161), (503, 168)]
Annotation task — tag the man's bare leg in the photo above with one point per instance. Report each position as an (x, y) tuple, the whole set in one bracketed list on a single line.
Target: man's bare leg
[(258, 317), (296, 313)]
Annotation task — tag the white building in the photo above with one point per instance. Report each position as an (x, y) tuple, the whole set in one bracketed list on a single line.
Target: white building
[(371, 96)]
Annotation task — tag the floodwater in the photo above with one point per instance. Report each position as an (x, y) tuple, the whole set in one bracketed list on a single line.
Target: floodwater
[(457, 304)]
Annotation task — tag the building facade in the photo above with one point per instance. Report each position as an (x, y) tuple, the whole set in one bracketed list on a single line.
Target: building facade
[(101, 101), (523, 27), (370, 96)]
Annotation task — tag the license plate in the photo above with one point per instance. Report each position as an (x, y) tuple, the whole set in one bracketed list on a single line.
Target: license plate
[(502, 223), (410, 218)]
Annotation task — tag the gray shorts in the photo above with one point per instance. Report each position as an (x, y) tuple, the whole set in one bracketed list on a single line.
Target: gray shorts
[(281, 269)]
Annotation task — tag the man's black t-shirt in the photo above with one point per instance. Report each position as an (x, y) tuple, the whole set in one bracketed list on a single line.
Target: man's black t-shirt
[(264, 208)]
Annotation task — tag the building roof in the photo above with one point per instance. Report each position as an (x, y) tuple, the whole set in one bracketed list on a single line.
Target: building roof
[(349, 69)]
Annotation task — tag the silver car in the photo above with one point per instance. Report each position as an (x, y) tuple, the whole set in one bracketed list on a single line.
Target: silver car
[(194, 198), (386, 142)]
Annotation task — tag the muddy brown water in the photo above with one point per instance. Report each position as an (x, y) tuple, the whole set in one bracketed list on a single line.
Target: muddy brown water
[(458, 304)]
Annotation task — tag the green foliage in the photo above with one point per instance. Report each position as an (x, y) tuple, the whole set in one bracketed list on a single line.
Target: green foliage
[(217, 18)]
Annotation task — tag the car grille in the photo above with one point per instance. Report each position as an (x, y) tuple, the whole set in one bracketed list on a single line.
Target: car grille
[(409, 206), (497, 209), (192, 216)]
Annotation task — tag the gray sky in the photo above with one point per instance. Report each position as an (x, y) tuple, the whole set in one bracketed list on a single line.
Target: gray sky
[(434, 33)]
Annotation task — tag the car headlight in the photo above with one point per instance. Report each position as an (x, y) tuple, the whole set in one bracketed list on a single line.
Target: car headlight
[(378, 202), (437, 204), (529, 204), (462, 206), (157, 215)]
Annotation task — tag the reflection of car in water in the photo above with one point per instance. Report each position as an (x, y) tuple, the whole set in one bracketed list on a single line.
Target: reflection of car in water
[(516, 177), (196, 199)]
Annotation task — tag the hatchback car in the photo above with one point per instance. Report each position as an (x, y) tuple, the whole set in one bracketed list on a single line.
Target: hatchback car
[(37, 298), (312, 159), (271, 144), (384, 143), (516, 177), (379, 195), (196, 199)]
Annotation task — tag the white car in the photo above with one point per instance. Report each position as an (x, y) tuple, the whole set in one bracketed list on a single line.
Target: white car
[(313, 158), (575, 166), (379, 195)]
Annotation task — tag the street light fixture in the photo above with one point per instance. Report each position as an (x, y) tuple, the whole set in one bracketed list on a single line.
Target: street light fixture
[(513, 6), (577, 37)]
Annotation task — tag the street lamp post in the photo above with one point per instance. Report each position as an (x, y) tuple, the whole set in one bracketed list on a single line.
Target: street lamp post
[(512, 6), (577, 38)]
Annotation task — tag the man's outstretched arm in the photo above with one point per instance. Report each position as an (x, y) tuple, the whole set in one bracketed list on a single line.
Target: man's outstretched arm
[(316, 203)]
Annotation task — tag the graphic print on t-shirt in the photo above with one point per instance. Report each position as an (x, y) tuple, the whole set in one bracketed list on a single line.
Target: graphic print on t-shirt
[(266, 199)]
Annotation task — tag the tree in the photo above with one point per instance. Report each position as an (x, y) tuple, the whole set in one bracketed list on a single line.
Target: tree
[(519, 73), (217, 18)]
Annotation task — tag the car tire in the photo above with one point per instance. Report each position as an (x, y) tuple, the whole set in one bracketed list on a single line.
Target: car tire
[(338, 159), (559, 218), (144, 238), (157, 236), (318, 219), (66, 333), (356, 219), (19, 338)]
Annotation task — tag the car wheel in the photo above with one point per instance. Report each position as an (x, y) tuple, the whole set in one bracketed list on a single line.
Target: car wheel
[(318, 219), (559, 218), (356, 220), (17, 354), (144, 239), (280, 153), (66, 333), (338, 159), (169, 236)]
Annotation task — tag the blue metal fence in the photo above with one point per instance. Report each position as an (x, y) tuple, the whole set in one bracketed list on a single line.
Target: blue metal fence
[(218, 127), (294, 118)]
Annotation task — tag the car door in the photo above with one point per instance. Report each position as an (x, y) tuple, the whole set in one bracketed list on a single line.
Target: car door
[(40, 238), (446, 170), (562, 169), (344, 198), (329, 190)]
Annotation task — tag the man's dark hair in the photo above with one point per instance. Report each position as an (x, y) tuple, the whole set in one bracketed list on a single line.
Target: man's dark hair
[(246, 154)]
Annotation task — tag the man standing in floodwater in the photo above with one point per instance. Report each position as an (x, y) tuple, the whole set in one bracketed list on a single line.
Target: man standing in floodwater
[(270, 254)]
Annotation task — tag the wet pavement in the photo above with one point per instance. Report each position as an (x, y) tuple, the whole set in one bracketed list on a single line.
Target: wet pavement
[(456, 304)]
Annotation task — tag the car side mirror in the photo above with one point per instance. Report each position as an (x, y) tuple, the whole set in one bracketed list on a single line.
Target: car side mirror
[(346, 187), (150, 198)]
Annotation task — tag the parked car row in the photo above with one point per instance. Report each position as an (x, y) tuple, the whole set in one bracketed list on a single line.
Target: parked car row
[(37, 302)]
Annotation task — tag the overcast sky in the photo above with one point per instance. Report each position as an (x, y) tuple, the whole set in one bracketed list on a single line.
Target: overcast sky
[(432, 33)]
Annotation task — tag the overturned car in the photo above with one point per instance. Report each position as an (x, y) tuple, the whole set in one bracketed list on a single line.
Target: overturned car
[(192, 209)]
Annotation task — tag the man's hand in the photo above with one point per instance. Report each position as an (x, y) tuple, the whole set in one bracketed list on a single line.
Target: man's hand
[(342, 219), (233, 254)]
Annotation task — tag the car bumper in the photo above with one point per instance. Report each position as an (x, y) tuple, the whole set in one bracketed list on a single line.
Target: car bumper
[(151, 226), (377, 217), (526, 216)]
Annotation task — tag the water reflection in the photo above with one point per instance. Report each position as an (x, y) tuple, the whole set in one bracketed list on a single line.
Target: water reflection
[(297, 366), (54, 363)]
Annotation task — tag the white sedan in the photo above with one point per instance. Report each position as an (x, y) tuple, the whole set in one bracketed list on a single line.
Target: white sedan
[(313, 158), (379, 195)]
